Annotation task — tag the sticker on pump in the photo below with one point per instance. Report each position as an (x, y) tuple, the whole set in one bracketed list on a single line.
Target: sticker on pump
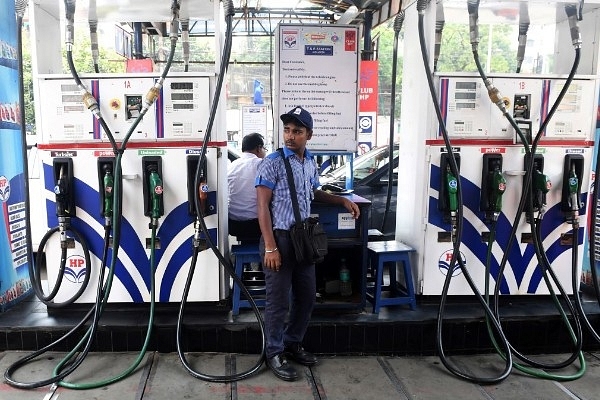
[(444, 263), (204, 188), (75, 269), (4, 188)]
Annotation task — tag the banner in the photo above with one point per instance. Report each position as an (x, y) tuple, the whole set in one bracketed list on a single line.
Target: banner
[(14, 255)]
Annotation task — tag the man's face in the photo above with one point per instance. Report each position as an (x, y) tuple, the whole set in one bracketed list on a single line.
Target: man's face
[(295, 136)]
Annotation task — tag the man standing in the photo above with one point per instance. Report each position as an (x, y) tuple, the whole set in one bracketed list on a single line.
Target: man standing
[(243, 221), (282, 271)]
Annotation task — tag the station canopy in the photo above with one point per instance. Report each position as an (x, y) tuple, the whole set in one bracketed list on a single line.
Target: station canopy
[(252, 17)]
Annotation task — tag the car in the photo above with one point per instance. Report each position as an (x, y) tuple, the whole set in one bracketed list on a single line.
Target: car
[(233, 154), (370, 180)]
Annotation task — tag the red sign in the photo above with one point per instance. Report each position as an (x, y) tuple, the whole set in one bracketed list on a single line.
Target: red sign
[(368, 89), (488, 150), (350, 40)]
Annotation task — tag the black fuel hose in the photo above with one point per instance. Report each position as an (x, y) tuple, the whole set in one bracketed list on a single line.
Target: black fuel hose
[(456, 258), (229, 13), (95, 311), (35, 274), (388, 199), (577, 336), (20, 8), (103, 289)]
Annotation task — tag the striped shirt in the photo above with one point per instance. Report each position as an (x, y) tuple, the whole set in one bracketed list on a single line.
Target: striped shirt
[(271, 173)]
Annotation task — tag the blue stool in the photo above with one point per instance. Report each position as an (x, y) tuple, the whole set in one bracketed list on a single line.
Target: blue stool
[(246, 254), (386, 254)]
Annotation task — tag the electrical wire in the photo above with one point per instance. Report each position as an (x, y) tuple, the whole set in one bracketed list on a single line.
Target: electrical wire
[(456, 258), (229, 13)]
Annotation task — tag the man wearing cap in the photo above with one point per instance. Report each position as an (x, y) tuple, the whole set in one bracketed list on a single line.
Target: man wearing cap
[(243, 221), (282, 271)]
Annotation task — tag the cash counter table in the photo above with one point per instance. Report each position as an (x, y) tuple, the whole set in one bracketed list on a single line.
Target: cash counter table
[(347, 239)]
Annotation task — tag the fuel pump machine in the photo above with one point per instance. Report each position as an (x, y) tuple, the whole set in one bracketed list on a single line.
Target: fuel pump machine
[(158, 167), (491, 161), (158, 173), (492, 164)]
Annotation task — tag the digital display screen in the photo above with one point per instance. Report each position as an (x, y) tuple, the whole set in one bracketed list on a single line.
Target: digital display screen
[(182, 96), (182, 85), (465, 96), (69, 88), (71, 98), (183, 106), (464, 106), (466, 85)]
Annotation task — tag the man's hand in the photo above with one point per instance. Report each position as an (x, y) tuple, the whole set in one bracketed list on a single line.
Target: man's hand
[(272, 260), (352, 207)]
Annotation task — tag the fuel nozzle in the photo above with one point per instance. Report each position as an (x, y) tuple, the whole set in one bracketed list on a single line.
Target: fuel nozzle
[(498, 188), (108, 184), (452, 187), (541, 185), (574, 202), (155, 186), (61, 190)]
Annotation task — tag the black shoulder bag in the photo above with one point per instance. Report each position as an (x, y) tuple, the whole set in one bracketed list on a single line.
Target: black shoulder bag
[(308, 237)]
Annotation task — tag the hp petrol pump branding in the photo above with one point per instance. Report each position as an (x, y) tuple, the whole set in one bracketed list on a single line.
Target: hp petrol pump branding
[(75, 269), (444, 263), (4, 188)]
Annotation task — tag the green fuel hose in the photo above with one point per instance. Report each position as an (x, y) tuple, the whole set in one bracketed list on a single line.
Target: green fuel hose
[(67, 365), (538, 373), (128, 371)]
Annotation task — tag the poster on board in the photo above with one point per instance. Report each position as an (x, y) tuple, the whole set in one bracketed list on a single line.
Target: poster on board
[(14, 254), (317, 68)]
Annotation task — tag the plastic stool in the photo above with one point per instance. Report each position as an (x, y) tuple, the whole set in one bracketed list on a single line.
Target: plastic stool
[(245, 254), (387, 254)]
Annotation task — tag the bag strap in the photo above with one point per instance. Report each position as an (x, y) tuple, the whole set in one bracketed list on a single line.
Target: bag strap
[(292, 185)]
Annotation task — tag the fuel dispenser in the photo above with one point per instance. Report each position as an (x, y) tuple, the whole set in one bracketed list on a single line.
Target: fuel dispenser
[(134, 183), (493, 162), (495, 175), (154, 170)]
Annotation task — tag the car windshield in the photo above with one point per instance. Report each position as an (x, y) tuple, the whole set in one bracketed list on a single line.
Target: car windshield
[(364, 165)]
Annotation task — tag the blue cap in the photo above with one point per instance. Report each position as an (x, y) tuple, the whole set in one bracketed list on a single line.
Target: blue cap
[(298, 115)]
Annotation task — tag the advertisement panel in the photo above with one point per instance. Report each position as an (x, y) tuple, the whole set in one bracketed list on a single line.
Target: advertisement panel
[(318, 70), (14, 255)]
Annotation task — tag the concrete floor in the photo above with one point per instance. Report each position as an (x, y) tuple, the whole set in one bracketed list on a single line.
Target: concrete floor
[(161, 376)]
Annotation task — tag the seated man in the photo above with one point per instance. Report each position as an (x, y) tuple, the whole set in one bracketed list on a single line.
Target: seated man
[(241, 174)]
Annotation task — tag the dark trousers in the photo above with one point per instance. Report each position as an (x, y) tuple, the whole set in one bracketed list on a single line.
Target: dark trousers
[(244, 231), (300, 279)]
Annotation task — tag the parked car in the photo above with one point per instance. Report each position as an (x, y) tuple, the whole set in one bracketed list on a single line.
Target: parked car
[(371, 182), (233, 154)]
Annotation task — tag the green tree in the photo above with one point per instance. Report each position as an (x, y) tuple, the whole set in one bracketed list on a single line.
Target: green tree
[(108, 62), (456, 54), (385, 53), (28, 83)]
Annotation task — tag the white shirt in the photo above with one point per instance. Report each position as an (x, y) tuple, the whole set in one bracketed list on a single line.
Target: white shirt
[(241, 175)]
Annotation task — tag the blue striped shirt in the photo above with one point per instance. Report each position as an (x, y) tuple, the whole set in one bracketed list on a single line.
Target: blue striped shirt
[(271, 173)]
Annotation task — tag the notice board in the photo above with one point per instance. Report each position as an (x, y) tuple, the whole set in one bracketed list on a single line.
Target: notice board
[(317, 68)]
